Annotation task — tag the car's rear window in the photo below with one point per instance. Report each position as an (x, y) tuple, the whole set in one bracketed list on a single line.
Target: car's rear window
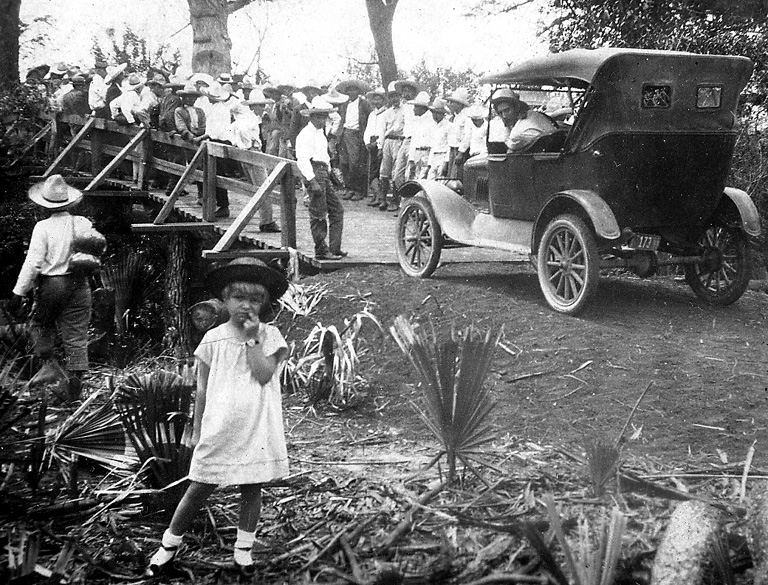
[(657, 96), (708, 96)]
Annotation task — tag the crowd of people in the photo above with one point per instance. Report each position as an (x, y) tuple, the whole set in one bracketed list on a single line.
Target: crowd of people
[(350, 141)]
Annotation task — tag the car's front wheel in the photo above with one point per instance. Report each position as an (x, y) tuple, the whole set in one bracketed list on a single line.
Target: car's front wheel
[(419, 238), (723, 276), (568, 264)]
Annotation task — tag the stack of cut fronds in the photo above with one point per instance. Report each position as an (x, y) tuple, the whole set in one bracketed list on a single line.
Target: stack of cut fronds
[(301, 299), (155, 411), (94, 434), (131, 276), (596, 562), (452, 372), (328, 364)]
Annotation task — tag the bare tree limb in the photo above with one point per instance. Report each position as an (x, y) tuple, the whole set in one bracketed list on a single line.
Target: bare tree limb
[(235, 5)]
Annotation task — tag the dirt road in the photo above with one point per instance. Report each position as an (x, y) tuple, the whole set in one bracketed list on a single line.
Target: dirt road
[(567, 378)]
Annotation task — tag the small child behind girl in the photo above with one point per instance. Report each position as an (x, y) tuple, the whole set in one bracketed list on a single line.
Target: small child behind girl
[(237, 432)]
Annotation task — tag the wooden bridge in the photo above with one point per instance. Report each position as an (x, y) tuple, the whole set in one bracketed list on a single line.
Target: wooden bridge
[(368, 233)]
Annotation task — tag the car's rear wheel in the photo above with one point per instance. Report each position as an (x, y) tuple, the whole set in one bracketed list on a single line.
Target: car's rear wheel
[(568, 264), (723, 276), (419, 238)]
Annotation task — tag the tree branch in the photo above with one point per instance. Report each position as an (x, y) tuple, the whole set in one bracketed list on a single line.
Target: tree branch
[(235, 5)]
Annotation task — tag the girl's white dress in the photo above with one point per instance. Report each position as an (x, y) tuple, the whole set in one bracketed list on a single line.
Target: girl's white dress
[(242, 440)]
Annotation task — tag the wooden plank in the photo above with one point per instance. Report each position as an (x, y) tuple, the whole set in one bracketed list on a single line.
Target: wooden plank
[(268, 161), (189, 226), (119, 194), (209, 186), (35, 139), (168, 207), (288, 210), (113, 164), (250, 209), (229, 254), (69, 148)]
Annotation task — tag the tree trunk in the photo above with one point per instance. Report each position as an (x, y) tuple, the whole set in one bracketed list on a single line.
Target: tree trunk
[(178, 335), (9, 41), (211, 45), (380, 16)]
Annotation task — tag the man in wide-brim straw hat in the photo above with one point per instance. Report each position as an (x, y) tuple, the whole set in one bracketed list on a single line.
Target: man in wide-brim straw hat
[(523, 126), (62, 298), (458, 139), (353, 155), (357, 84), (391, 122), (326, 214)]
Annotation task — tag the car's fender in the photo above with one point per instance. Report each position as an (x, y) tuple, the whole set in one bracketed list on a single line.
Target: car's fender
[(600, 214), (454, 213), (750, 218)]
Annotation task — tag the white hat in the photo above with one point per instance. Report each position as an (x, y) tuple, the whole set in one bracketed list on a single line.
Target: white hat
[(392, 87), (54, 193), (130, 83), (318, 106), (476, 112), (460, 96), (217, 92), (422, 99), (225, 78), (257, 98), (113, 71), (439, 105), (334, 97)]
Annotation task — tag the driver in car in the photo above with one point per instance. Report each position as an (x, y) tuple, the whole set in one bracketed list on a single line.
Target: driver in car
[(522, 125)]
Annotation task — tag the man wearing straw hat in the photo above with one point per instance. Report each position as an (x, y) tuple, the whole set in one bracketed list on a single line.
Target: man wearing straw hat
[(458, 139), (326, 213), (62, 298), (371, 138), (352, 152), (390, 139), (97, 92), (246, 134), (439, 147), (408, 89), (421, 138)]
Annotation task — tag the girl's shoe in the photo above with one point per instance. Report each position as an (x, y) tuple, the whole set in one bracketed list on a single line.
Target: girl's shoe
[(166, 568), (245, 571)]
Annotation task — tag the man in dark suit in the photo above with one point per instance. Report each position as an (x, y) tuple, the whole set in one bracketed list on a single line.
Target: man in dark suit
[(352, 152)]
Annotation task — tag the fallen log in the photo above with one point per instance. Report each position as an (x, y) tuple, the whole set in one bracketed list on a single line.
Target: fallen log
[(687, 545)]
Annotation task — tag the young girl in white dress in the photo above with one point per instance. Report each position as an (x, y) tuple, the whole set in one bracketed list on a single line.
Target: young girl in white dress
[(238, 435)]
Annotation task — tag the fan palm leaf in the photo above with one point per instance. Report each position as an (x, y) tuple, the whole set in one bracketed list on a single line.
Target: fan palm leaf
[(155, 412), (130, 276), (94, 434), (452, 371)]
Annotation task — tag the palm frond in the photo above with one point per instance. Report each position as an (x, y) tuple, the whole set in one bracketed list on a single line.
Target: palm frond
[(130, 276), (155, 412), (602, 461), (452, 374), (302, 299), (94, 434)]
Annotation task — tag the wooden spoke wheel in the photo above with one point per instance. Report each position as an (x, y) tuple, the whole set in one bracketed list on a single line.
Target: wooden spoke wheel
[(568, 264), (419, 238), (723, 276)]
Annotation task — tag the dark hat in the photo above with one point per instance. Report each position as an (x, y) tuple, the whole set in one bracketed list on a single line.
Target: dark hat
[(358, 84), (272, 93), (247, 269), (100, 64)]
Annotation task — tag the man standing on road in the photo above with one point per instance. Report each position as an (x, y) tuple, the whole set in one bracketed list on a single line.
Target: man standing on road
[(326, 214), (352, 151)]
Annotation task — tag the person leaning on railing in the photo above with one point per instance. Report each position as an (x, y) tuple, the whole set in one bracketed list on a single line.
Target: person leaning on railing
[(189, 121)]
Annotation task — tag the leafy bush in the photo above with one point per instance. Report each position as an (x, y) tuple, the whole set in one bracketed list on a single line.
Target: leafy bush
[(21, 109)]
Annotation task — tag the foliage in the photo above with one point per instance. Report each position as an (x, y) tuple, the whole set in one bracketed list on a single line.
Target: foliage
[(21, 107), (451, 373), (132, 48), (155, 412), (94, 434), (302, 299), (326, 366), (598, 557), (602, 462), (133, 276), (443, 80)]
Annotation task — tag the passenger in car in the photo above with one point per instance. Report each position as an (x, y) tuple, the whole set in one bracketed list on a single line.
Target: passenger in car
[(525, 126), (478, 130)]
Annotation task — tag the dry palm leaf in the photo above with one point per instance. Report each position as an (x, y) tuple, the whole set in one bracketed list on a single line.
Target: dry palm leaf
[(154, 409), (452, 372), (130, 276), (94, 434)]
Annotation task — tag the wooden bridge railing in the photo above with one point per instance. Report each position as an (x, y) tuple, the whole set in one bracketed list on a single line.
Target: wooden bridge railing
[(157, 151)]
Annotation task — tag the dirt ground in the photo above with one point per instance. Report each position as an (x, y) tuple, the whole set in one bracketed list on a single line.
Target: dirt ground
[(574, 377), (557, 381)]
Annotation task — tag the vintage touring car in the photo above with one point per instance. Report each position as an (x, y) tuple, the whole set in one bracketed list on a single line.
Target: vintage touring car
[(636, 180)]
